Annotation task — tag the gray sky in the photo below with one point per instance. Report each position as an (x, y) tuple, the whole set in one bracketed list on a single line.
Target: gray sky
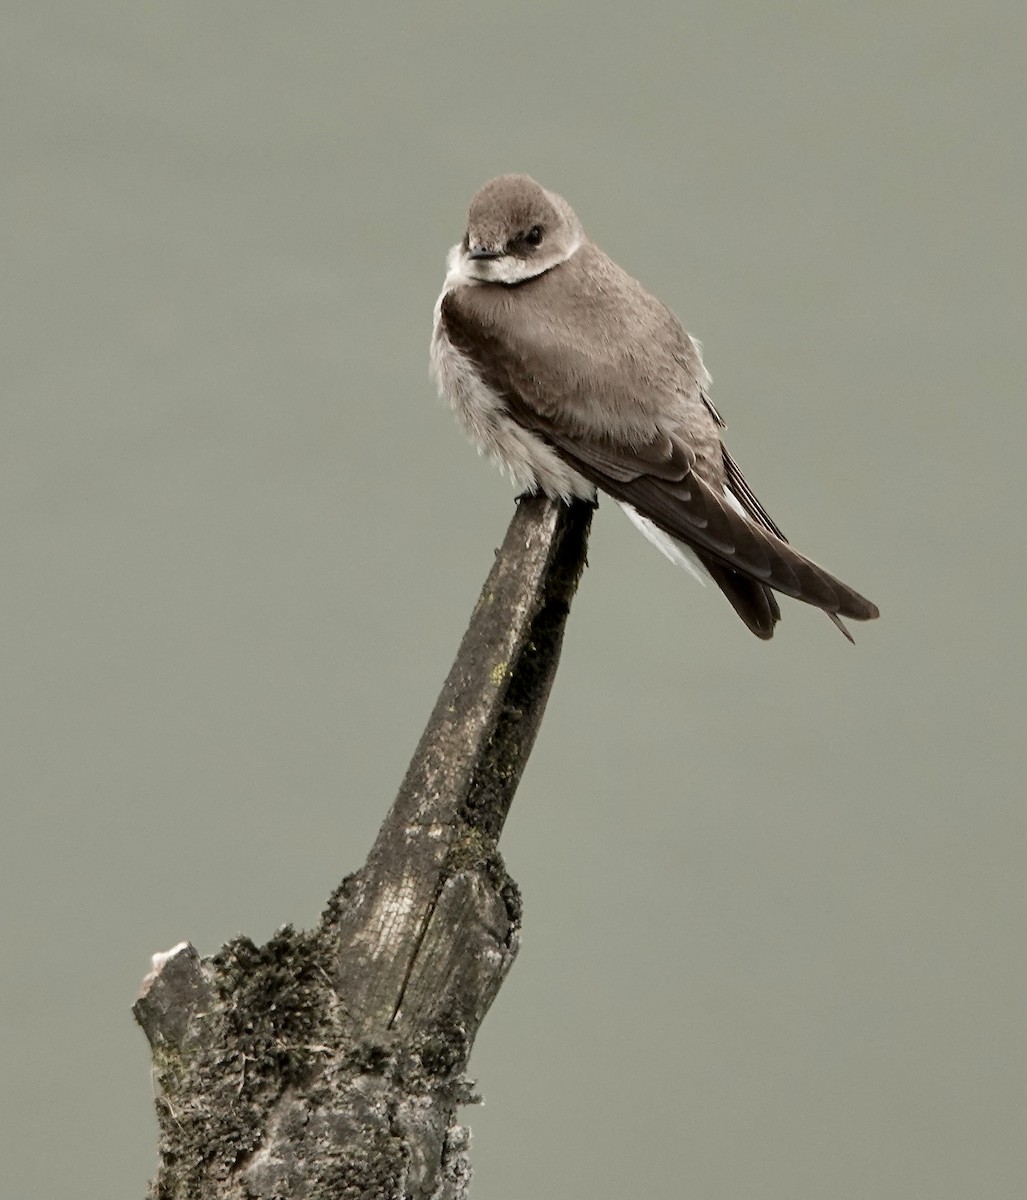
[(774, 902)]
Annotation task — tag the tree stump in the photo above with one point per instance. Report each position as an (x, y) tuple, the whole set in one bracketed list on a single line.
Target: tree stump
[(332, 1063)]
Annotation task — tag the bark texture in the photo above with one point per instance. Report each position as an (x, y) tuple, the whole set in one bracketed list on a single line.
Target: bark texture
[(332, 1063)]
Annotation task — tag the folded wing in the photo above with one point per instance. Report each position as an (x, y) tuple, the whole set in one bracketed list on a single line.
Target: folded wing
[(658, 478)]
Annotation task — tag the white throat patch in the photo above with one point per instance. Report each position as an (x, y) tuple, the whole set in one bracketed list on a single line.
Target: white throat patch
[(460, 269)]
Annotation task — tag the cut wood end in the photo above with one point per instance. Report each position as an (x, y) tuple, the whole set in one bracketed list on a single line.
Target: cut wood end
[(172, 996), (160, 960)]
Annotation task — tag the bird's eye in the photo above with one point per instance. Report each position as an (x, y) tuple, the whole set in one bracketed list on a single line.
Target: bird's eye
[(534, 235)]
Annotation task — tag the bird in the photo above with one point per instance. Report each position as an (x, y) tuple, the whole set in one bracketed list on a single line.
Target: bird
[(574, 379)]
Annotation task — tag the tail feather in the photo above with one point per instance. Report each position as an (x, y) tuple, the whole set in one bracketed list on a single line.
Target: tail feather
[(754, 602)]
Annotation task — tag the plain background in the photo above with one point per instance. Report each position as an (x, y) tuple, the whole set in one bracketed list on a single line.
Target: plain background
[(774, 906)]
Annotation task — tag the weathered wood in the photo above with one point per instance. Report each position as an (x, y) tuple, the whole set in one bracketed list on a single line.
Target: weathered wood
[(332, 1063)]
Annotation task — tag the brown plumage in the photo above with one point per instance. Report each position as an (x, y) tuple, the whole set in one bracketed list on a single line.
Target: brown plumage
[(569, 373)]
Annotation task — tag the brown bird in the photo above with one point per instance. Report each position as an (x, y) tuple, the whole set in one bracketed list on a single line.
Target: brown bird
[(572, 377)]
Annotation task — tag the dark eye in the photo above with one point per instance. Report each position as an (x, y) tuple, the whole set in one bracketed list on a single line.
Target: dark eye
[(534, 235)]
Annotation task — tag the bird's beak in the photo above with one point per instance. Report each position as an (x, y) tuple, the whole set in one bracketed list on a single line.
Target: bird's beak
[(481, 252)]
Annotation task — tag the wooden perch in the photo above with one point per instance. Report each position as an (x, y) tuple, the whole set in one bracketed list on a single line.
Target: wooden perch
[(331, 1063)]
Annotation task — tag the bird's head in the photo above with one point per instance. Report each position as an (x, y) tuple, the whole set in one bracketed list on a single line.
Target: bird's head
[(517, 230)]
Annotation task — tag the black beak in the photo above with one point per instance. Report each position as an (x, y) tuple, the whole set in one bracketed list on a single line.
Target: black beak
[(481, 252)]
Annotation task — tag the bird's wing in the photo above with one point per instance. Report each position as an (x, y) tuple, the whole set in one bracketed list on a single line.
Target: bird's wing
[(653, 475), (711, 408), (735, 480)]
